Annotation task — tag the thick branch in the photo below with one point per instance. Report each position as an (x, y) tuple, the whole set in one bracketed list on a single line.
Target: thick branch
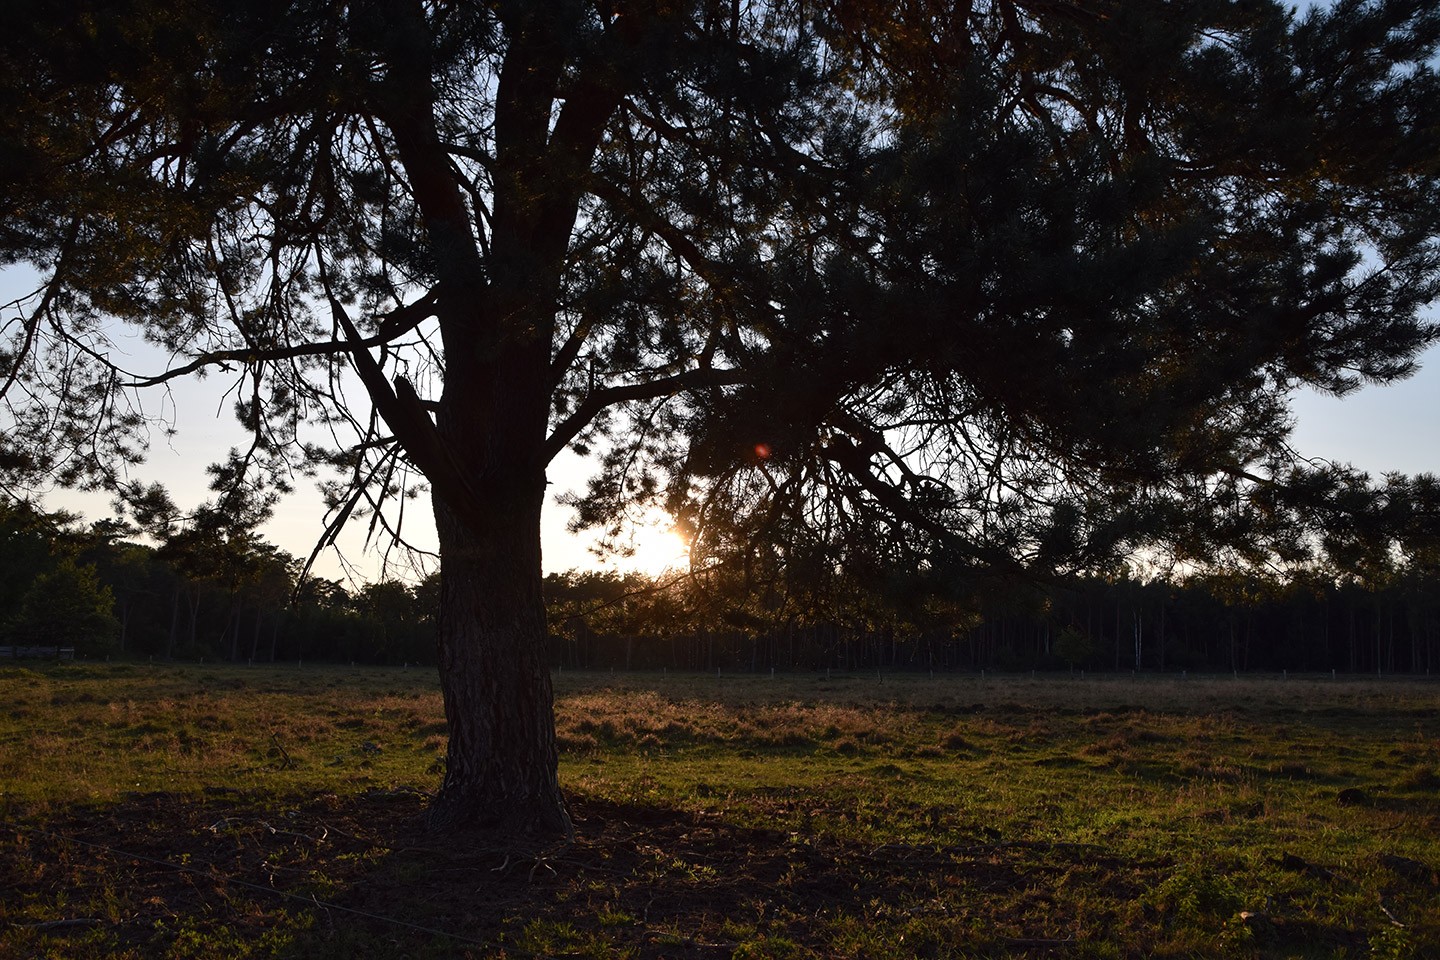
[(670, 386), (409, 112), (570, 349), (578, 130), (412, 426), (393, 326)]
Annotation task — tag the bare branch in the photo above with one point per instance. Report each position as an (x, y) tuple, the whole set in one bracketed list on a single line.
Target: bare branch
[(670, 386), (33, 321), (393, 326), (412, 426)]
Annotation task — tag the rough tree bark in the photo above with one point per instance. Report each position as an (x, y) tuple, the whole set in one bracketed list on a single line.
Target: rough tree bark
[(501, 763)]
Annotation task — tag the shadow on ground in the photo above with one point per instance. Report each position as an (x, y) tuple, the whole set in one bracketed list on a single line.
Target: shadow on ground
[(235, 875)]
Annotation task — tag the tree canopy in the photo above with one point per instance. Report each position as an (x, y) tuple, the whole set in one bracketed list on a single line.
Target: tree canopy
[(1016, 285)]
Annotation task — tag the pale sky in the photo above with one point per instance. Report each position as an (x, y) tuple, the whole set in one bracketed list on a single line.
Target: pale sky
[(1391, 428), (205, 429)]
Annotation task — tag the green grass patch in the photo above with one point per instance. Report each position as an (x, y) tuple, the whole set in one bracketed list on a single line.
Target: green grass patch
[(269, 812)]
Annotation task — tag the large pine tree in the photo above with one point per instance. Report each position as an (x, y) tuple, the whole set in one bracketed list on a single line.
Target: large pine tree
[(959, 286)]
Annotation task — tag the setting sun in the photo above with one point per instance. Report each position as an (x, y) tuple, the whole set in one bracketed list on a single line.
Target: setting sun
[(658, 546)]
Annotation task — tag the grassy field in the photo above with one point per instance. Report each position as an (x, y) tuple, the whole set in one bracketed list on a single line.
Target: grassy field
[(196, 811)]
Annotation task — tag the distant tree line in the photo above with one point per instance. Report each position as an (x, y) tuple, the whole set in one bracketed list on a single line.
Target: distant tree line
[(210, 590), (205, 589), (1117, 622)]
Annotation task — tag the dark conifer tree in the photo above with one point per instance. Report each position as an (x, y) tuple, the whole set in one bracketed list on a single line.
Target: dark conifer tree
[(1006, 284)]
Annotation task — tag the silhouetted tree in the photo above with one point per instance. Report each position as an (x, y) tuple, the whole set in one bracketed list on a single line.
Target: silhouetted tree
[(27, 536), (1012, 285), (69, 607)]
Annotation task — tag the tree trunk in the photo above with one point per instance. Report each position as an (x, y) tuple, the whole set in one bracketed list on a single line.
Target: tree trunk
[(1162, 636), (255, 638), (501, 764), (193, 601), (174, 625), (486, 455), (232, 627)]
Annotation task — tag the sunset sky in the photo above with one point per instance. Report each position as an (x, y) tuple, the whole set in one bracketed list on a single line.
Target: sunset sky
[(1378, 429)]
